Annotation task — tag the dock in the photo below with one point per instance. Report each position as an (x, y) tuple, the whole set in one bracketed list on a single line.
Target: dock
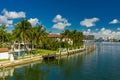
[(69, 52), (49, 56)]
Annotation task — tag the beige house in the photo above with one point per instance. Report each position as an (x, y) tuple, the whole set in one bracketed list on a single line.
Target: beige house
[(59, 37)]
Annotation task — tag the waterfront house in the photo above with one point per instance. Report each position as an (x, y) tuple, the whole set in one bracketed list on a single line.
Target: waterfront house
[(54, 36), (59, 37), (20, 48), (4, 53)]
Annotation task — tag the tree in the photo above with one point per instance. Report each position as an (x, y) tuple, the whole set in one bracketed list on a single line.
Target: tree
[(74, 35), (3, 33), (22, 31), (32, 37), (66, 34), (39, 36)]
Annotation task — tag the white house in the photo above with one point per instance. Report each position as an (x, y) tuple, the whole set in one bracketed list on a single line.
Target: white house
[(4, 53)]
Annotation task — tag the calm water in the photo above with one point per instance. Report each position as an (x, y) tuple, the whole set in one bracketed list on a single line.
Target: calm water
[(102, 64)]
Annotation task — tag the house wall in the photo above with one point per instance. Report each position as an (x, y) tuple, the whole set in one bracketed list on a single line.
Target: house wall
[(4, 55)]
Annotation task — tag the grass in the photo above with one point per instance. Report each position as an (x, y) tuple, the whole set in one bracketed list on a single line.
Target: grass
[(38, 52), (4, 60), (44, 51)]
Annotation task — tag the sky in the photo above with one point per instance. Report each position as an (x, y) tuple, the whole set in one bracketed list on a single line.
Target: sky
[(97, 17)]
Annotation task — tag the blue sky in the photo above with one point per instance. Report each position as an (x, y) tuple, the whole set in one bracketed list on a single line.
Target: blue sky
[(89, 16)]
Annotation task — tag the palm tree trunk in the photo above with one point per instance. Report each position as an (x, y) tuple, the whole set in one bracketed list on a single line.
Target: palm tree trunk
[(32, 44)]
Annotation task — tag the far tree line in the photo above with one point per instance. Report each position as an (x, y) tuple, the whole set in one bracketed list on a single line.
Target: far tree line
[(37, 36)]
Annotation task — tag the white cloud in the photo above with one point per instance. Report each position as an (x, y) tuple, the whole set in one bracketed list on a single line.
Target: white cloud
[(33, 21), (102, 29), (89, 22), (13, 14), (104, 33), (60, 23), (4, 20), (118, 28), (58, 18), (114, 21), (87, 32), (96, 29), (7, 17)]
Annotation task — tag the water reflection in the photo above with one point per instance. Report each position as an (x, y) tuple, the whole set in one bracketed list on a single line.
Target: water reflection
[(101, 64), (33, 72), (26, 72), (5, 73), (64, 66)]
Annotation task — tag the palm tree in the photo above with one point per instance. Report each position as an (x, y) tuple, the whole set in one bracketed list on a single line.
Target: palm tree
[(22, 31), (66, 34), (40, 36), (74, 32), (77, 38), (3, 33), (74, 35), (32, 37)]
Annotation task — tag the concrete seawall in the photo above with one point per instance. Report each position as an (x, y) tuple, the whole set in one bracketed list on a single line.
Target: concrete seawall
[(19, 62), (68, 52), (39, 58)]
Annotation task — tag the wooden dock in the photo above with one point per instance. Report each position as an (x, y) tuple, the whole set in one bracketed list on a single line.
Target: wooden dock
[(49, 56), (69, 52), (75, 51)]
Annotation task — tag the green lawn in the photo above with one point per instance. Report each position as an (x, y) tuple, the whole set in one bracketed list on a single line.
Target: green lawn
[(4, 60), (44, 51)]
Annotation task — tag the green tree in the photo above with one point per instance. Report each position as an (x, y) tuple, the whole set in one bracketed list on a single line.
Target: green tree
[(3, 33), (22, 31), (40, 36), (75, 36)]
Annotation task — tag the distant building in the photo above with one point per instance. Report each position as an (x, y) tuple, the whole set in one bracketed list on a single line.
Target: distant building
[(89, 40), (100, 39), (89, 37)]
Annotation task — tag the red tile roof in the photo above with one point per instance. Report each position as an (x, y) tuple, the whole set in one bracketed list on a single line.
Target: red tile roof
[(54, 36), (3, 49)]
